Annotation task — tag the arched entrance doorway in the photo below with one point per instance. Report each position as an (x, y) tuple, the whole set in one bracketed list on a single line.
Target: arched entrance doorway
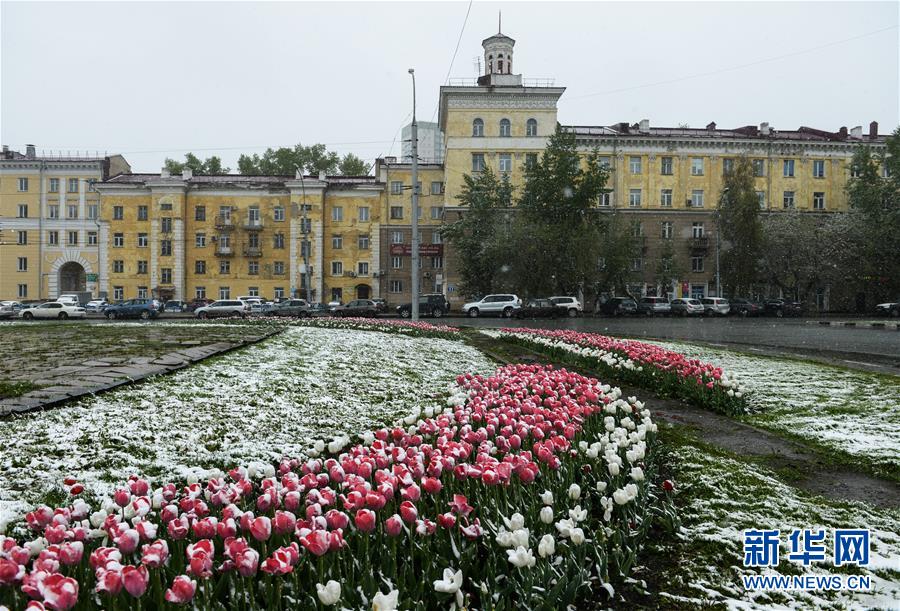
[(363, 291), (72, 278)]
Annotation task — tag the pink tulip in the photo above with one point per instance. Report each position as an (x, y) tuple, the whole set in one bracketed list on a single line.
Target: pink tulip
[(393, 525), (365, 520), (11, 572), (316, 542), (155, 554), (181, 591), (408, 512), (261, 528), (135, 580)]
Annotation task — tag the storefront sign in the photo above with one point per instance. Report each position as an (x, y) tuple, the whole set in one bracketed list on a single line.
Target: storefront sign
[(428, 250)]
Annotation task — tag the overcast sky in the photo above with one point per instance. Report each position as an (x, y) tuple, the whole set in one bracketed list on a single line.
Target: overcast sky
[(155, 79)]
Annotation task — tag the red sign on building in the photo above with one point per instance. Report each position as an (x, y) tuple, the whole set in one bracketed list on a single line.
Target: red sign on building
[(427, 250)]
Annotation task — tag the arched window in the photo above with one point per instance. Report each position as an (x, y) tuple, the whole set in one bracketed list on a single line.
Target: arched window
[(531, 127), (500, 66), (505, 128), (490, 66), (478, 128)]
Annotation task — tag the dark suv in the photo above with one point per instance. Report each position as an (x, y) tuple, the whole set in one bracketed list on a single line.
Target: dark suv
[(430, 304), (782, 307), (619, 306), (144, 309)]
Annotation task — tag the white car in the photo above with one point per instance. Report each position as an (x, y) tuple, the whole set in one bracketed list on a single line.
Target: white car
[(570, 304), (715, 306), (53, 309), (96, 305), (224, 308), (69, 298), (504, 305)]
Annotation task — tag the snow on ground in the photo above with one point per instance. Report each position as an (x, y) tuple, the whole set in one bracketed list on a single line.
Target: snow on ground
[(725, 496), (852, 411), (257, 404)]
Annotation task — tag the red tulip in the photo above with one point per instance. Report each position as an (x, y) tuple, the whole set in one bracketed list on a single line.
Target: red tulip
[(182, 590), (316, 542), (11, 572), (261, 528), (284, 522), (393, 525), (155, 554), (408, 512), (109, 581), (431, 485), (135, 579), (365, 520)]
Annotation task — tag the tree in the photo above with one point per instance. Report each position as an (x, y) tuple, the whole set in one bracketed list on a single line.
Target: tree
[(740, 229), (212, 165), (351, 165), (480, 236), (669, 266), (618, 249), (284, 161)]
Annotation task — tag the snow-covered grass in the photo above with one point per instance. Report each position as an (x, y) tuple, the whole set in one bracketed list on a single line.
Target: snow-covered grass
[(720, 496), (852, 412), (253, 405)]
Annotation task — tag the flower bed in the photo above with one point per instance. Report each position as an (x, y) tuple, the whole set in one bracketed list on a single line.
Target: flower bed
[(533, 487), (404, 327), (642, 364)]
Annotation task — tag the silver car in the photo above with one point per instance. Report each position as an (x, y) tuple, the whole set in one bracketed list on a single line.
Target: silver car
[(686, 307), (503, 305), (715, 306)]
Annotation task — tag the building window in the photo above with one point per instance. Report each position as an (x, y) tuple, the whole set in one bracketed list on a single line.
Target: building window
[(23, 291), (788, 165), (634, 198), (92, 238), (364, 213), (855, 171), (54, 211), (165, 274), (727, 167), (53, 238), (788, 199), (362, 268), (477, 162), (531, 127), (165, 224), (437, 187), (118, 213), (505, 128), (436, 237), (697, 264), (396, 187), (22, 211), (224, 292), (72, 238), (54, 185), (666, 166), (759, 167), (165, 248), (667, 230), (665, 198), (199, 267), (305, 226), (530, 160), (143, 213), (396, 212), (166, 206), (278, 240), (119, 240), (118, 293), (818, 168), (437, 212), (437, 262), (761, 198), (200, 240), (337, 242), (142, 267), (697, 166), (396, 262), (23, 184), (337, 214), (478, 128), (253, 291), (396, 237), (142, 292), (200, 214), (278, 268), (697, 229), (22, 238), (279, 292), (72, 211), (697, 198), (200, 292), (73, 185), (22, 264), (278, 213), (637, 264), (395, 286), (224, 267), (92, 211), (505, 162), (142, 241), (253, 268), (337, 268), (634, 164), (362, 242), (818, 200), (606, 199), (118, 266)]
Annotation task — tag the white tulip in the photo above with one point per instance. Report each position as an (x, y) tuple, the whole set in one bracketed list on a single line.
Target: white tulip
[(98, 518), (637, 474), (621, 496), (330, 593), (520, 538), (385, 602), (578, 514), (565, 527), (547, 546), (504, 538), (577, 536), (547, 497), (613, 468), (601, 486), (546, 515), (521, 557), (451, 583), (515, 522), (574, 492)]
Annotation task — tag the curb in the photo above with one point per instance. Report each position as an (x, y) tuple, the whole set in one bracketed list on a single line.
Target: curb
[(859, 325)]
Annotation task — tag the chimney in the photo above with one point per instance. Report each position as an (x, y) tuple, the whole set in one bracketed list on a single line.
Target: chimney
[(873, 129), (164, 173), (645, 126), (29, 150), (843, 132), (322, 175), (764, 129), (856, 132), (711, 127), (187, 174)]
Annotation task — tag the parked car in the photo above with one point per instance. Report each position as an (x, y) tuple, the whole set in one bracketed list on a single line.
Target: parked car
[(96, 305), (618, 306), (252, 299), (224, 308), (198, 303), (6, 311), (570, 305), (317, 310), (744, 307), (430, 304), (291, 307), (357, 307), (69, 298), (382, 305), (888, 309), (133, 308), (16, 306), (53, 309), (174, 306), (540, 308), (504, 305), (686, 306), (654, 306), (782, 307), (715, 306)]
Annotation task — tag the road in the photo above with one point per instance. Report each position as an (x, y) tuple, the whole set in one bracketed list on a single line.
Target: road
[(858, 348)]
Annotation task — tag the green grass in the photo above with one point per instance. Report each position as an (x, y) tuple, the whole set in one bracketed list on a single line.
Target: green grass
[(15, 389)]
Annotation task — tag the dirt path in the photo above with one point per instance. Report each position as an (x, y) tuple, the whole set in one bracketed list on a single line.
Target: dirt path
[(802, 467)]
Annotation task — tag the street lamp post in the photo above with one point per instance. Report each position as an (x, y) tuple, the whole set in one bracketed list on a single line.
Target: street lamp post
[(415, 206), (718, 228)]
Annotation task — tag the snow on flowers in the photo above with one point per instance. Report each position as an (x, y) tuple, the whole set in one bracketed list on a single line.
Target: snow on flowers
[(404, 327), (503, 495)]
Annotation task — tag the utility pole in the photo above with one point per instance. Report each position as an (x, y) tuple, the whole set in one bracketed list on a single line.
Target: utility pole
[(718, 228), (305, 244), (415, 206)]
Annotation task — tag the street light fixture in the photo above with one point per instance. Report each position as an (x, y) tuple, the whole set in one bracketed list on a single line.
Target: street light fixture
[(414, 262)]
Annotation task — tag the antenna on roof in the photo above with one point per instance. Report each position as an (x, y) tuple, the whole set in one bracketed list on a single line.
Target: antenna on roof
[(476, 61), (499, 21)]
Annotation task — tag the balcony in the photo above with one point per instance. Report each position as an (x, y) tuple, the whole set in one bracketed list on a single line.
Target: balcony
[(224, 222), (252, 251), (700, 244), (253, 224), (224, 251)]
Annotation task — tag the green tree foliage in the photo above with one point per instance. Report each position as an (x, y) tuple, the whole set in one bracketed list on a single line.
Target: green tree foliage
[(669, 266), (351, 165), (480, 236), (284, 161), (212, 165), (740, 229), (618, 248)]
